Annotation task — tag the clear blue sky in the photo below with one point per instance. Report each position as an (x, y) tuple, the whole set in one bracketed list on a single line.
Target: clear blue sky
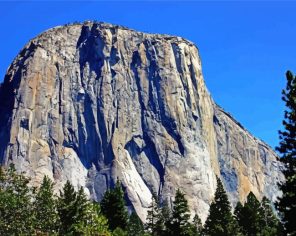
[(246, 47)]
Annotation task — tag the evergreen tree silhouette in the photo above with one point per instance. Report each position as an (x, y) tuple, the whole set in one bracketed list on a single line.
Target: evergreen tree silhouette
[(287, 147)]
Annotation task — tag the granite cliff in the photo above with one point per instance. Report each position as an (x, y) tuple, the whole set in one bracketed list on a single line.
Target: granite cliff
[(94, 102)]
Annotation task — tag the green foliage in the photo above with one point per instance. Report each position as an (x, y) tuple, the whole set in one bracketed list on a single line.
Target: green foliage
[(239, 215), (272, 226), (165, 217), (220, 220), (135, 225), (154, 222), (196, 226), (250, 216), (94, 223), (287, 147), (24, 211), (113, 207), (162, 222), (78, 216), (47, 219), (257, 218), (16, 215), (180, 224), (119, 232), (72, 209)]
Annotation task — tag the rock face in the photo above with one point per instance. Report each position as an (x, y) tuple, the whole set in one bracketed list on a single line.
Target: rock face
[(94, 102)]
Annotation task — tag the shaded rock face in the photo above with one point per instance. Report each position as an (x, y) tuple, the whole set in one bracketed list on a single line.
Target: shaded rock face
[(93, 103)]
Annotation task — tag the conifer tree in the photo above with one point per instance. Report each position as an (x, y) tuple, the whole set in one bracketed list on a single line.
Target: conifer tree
[(72, 208), (153, 222), (272, 225), (250, 217), (94, 223), (113, 207), (81, 205), (47, 219), (268, 216), (220, 220), (239, 215), (180, 224), (66, 208), (197, 225), (135, 225), (287, 147), (16, 215), (165, 215)]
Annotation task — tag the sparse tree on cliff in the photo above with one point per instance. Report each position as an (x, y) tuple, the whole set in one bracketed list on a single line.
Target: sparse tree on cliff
[(287, 147)]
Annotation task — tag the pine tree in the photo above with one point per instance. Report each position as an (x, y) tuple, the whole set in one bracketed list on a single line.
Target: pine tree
[(239, 215), (113, 207), (287, 147), (81, 205), (180, 224), (66, 208), (94, 223), (47, 219), (72, 208), (250, 217), (165, 216), (220, 220), (135, 225), (153, 224), (16, 215), (197, 225), (272, 225)]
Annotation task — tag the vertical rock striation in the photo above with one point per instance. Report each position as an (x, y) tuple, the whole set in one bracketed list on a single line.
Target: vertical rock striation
[(94, 102)]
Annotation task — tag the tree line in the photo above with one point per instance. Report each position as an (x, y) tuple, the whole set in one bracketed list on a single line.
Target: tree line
[(254, 218), (26, 210)]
